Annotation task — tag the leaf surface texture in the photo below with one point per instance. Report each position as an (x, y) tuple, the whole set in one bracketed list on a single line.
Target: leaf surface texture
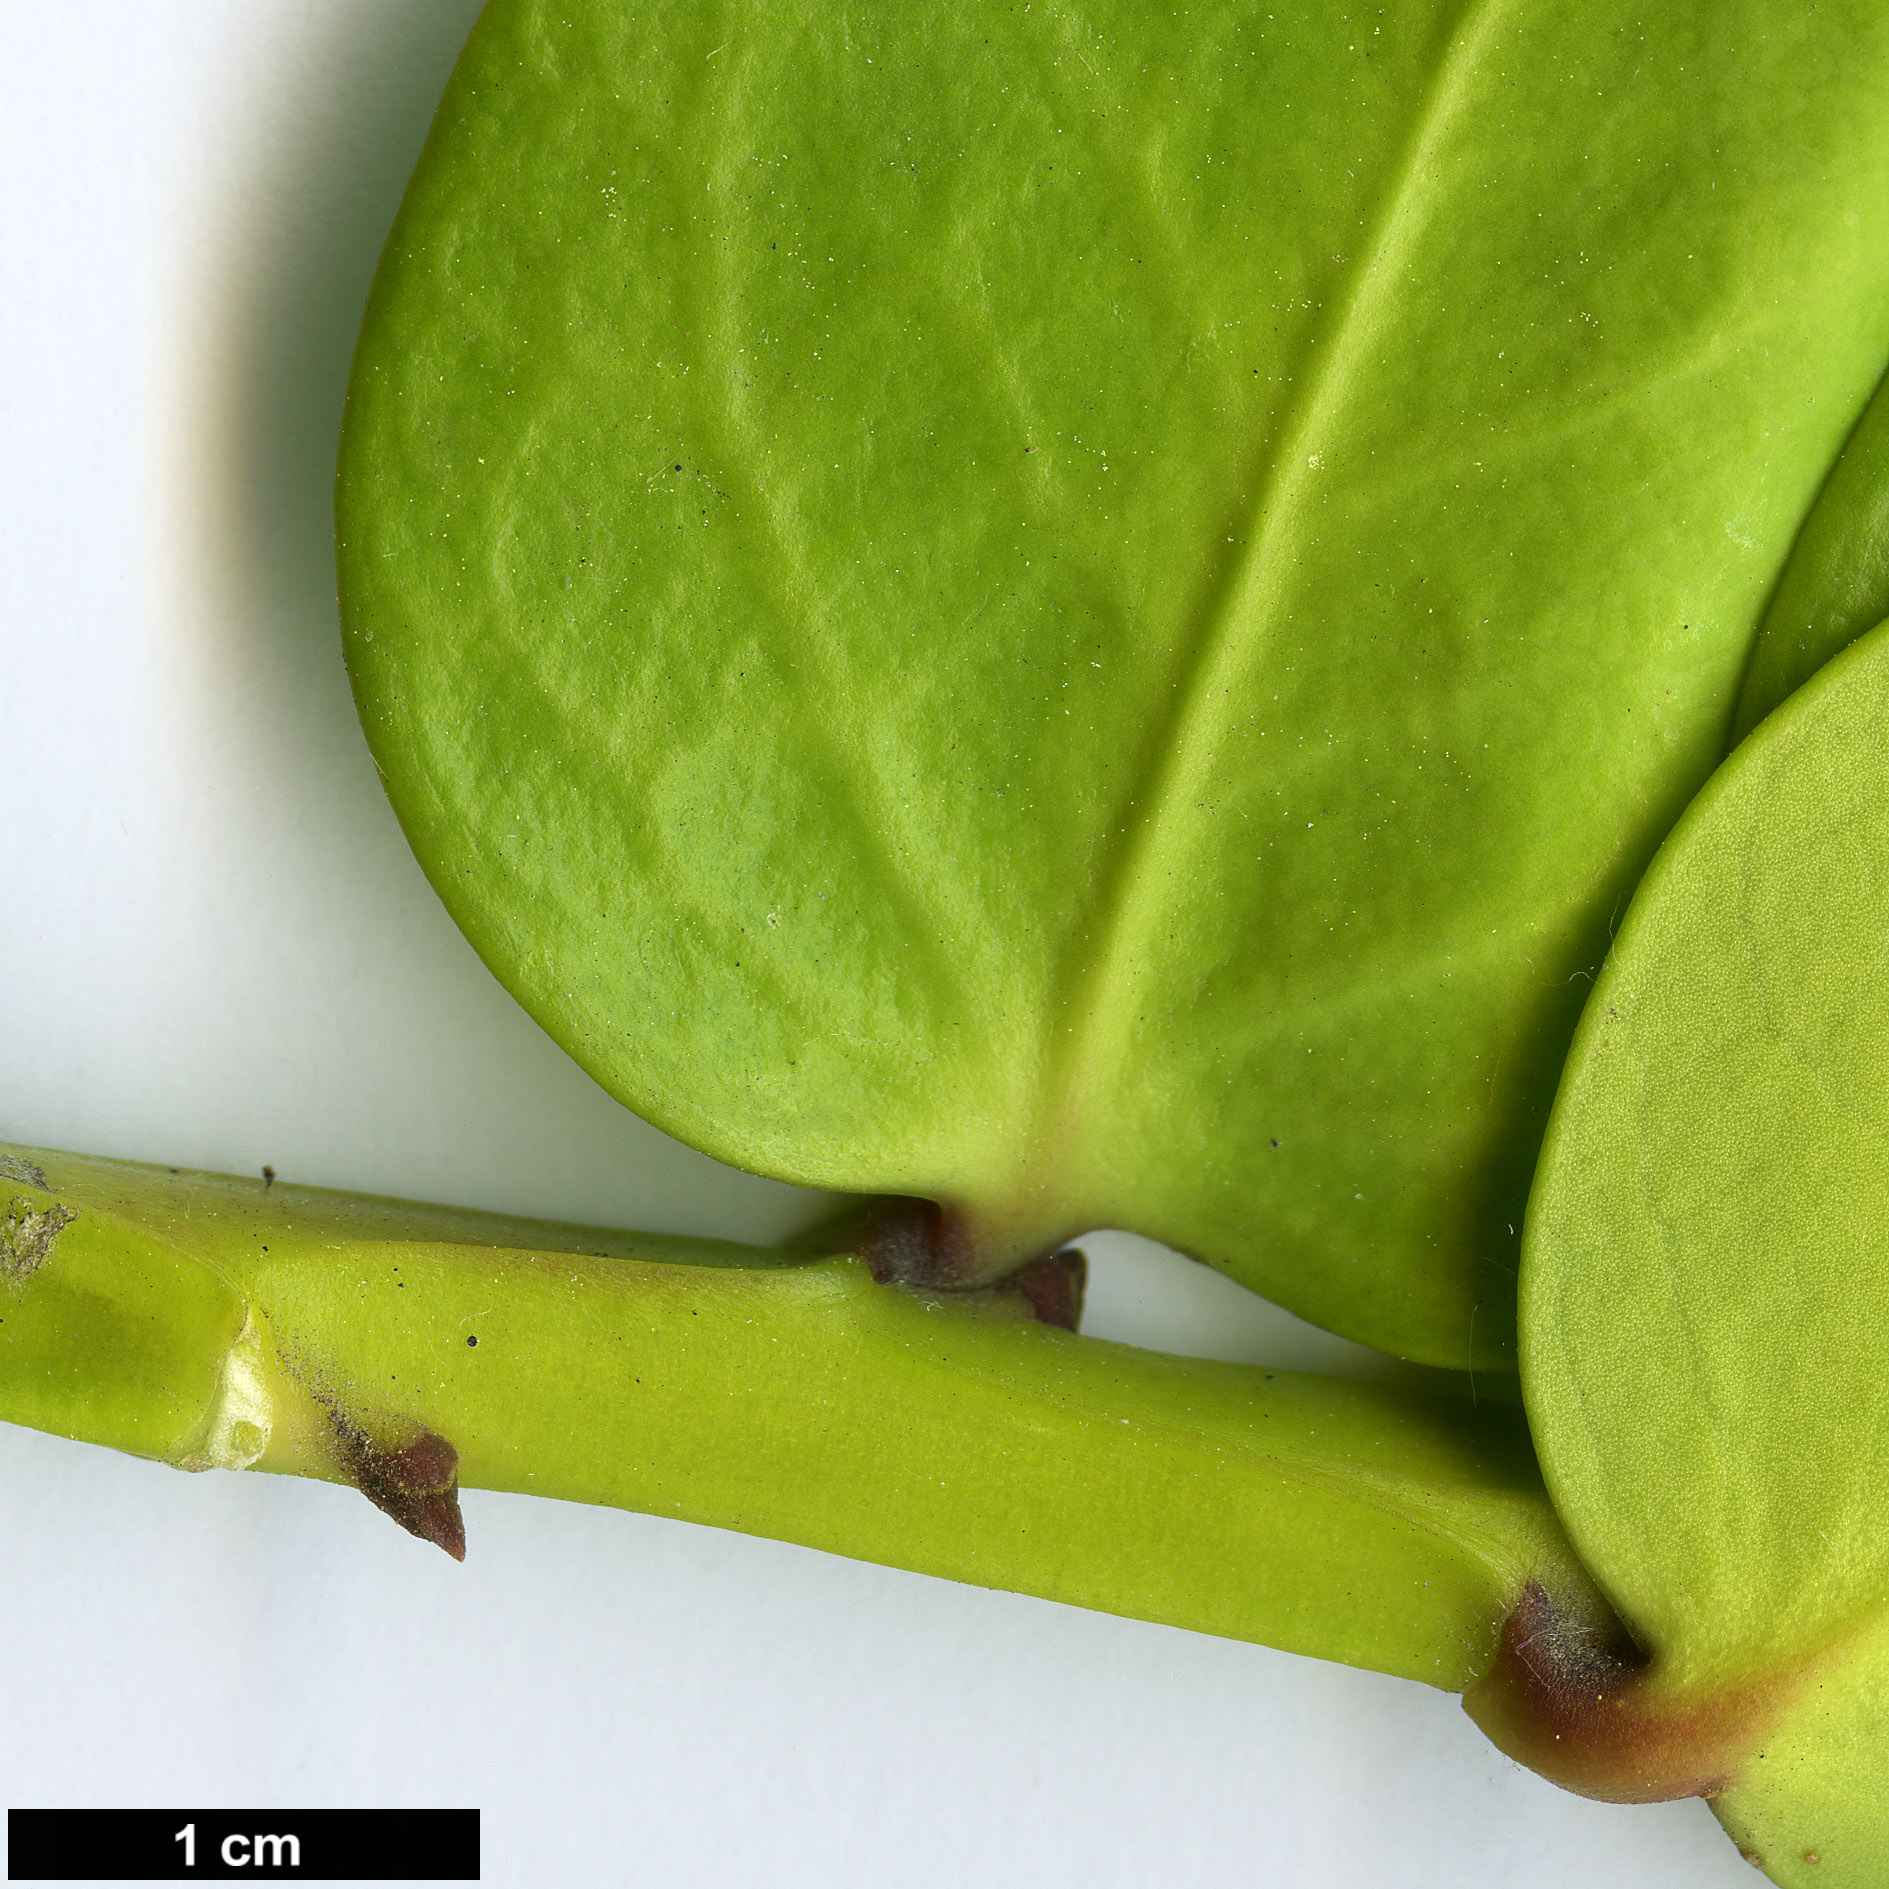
[(1089, 611)]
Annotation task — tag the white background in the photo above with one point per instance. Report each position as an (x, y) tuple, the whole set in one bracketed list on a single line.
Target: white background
[(215, 950)]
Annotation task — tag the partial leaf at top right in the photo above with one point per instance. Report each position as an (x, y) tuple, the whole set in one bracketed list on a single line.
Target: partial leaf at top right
[(1836, 584), (1087, 611)]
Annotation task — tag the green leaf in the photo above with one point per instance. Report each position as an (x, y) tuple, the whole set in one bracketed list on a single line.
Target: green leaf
[(1836, 584), (1809, 1806), (1705, 1295), (1087, 611)]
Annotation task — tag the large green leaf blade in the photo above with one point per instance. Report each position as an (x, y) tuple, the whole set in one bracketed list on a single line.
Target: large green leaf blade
[(1088, 613)]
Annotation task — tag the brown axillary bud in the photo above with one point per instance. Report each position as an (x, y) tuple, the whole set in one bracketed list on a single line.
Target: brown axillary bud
[(919, 1243), (416, 1483), (1576, 1705), (1052, 1288)]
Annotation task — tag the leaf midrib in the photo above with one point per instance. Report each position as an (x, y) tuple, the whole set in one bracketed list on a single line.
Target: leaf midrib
[(1095, 1020)]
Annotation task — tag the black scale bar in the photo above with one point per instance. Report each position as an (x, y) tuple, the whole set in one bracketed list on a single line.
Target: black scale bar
[(184, 1845)]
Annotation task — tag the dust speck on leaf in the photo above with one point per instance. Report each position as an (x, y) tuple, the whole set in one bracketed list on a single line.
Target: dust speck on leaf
[(27, 1236)]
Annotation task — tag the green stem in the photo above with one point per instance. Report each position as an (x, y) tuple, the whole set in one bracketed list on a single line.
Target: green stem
[(212, 1322)]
